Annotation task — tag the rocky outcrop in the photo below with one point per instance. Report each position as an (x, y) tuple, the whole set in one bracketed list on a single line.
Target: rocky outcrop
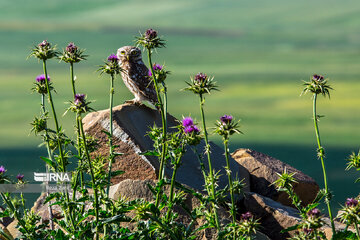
[(264, 171), (131, 124)]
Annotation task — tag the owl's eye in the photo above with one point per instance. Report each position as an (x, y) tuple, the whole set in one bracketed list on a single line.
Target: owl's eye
[(122, 52), (133, 52)]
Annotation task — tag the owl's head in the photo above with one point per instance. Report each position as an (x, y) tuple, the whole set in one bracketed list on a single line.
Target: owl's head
[(129, 53)]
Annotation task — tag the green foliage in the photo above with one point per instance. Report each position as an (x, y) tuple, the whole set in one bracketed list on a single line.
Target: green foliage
[(90, 213)]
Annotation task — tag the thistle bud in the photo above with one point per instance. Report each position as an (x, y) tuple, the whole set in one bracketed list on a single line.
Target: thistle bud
[(201, 84), (151, 34), (150, 40), (44, 51), (72, 54)]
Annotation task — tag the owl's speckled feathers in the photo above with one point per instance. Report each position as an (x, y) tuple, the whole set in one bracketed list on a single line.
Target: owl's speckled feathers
[(135, 75)]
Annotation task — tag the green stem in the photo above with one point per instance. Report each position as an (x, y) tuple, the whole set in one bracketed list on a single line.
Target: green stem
[(228, 172), (164, 127), (111, 153), (13, 210), (172, 185), (50, 157), (58, 133), (92, 176), (321, 153), (72, 78), (207, 149)]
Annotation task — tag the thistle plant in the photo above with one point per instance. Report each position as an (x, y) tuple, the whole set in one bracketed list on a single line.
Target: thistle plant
[(225, 128), (112, 68), (310, 226), (201, 84), (319, 85), (354, 162), (40, 126), (73, 54), (45, 51), (350, 214), (151, 41)]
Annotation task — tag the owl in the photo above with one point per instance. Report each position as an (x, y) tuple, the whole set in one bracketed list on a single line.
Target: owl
[(135, 75)]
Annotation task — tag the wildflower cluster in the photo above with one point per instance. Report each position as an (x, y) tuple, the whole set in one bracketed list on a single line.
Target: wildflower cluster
[(201, 83), (44, 51), (317, 85), (150, 40), (40, 84), (310, 226), (80, 105), (192, 132), (160, 73), (111, 66), (226, 126), (72, 54), (248, 224), (350, 213)]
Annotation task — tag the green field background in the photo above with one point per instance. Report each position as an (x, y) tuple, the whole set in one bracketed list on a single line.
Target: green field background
[(258, 52)]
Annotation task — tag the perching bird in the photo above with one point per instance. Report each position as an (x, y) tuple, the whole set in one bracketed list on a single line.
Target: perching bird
[(135, 75)]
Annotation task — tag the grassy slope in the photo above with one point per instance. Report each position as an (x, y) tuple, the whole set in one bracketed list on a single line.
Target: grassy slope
[(258, 51)]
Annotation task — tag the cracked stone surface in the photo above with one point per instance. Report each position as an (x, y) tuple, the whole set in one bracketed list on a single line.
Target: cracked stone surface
[(131, 124), (264, 171)]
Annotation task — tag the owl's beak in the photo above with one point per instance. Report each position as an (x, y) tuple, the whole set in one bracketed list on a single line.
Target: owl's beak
[(127, 57)]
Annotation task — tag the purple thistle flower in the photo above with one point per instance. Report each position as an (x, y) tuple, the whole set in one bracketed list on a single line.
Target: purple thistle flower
[(113, 58), (191, 129), (200, 77), (20, 177), (2, 169), (71, 48), (79, 99), (44, 44), (149, 73), (226, 119), (187, 122), (315, 213), (351, 202), (157, 67), (317, 77), (41, 78), (246, 216), (150, 34)]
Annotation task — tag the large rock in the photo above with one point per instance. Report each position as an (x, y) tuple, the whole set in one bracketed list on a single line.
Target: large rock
[(13, 230), (131, 124), (264, 171)]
